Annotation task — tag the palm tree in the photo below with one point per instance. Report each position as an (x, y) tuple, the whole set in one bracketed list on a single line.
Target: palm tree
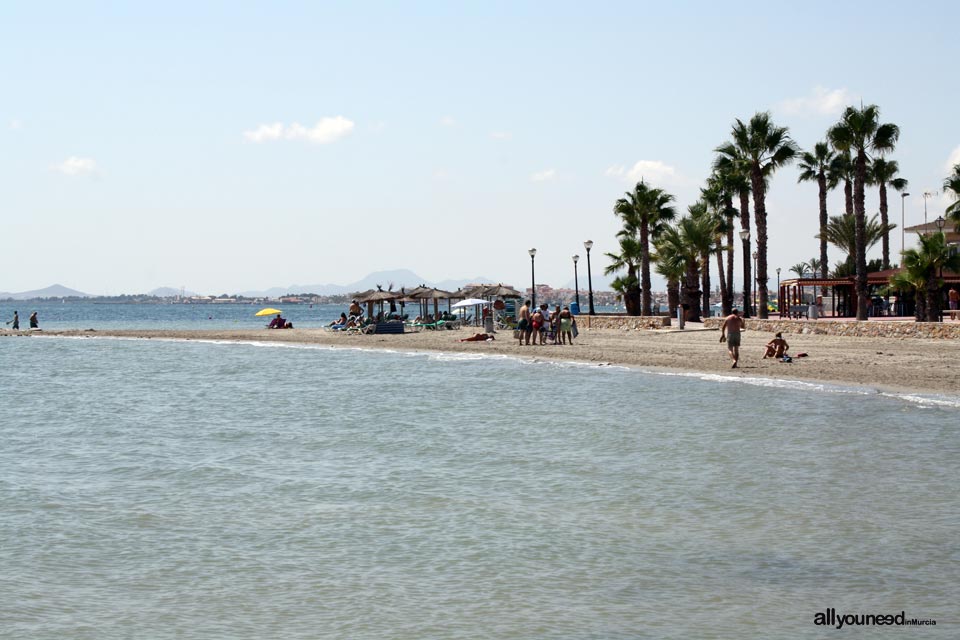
[(801, 269), (842, 233), (670, 267), (629, 259), (860, 131), (644, 212), (736, 176), (764, 148), (952, 184), (716, 200), (925, 264), (842, 168), (882, 173), (817, 165), (686, 248)]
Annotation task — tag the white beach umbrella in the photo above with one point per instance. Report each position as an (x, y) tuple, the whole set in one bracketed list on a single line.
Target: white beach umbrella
[(469, 302)]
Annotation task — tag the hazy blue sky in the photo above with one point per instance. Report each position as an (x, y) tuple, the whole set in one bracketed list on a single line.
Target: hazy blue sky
[(231, 146)]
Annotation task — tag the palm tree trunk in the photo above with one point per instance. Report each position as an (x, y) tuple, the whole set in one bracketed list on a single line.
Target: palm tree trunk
[(725, 303), (631, 293), (933, 298), (824, 265), (745, 225), (705, 279), (645, 299), (861, 258), (848, 197), (760, 215), (691, 291), (727, 288), (673, 297), (883, 220)]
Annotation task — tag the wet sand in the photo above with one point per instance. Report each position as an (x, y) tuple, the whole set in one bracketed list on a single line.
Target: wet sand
[(889, 364)]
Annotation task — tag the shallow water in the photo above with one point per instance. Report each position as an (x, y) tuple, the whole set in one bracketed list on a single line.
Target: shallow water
[(198, 490)]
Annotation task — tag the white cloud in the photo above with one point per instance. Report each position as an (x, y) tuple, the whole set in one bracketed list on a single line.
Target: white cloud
[(653, 172), (326, 130), (543, 176), (500, 135), (952, 159), (822, 102), (74, 166), (16, 125), (447, 121)]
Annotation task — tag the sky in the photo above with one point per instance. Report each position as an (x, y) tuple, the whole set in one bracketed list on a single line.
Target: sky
[(231, 146)]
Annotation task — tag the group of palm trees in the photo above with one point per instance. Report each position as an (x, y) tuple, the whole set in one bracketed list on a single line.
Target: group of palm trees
[(853, 154)]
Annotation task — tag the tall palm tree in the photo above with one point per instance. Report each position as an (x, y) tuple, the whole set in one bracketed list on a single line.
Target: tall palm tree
[(764, 147), (924, 264), (882, 173), (861, 133), (843, 168), (629, 258), (688, 244), (719, 199), (841, 232), (672, 271), (736, 176), (952, 184), (817, 166), (643, 212)]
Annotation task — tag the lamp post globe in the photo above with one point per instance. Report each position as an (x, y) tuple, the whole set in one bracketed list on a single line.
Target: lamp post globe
[(576, 284), (589, 245), (533, 277)]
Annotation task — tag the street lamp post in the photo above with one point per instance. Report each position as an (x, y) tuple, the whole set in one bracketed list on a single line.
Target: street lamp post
[(589, 245), (940, 224), (779, 301), (576, 284), (745, 237), (756, 282), (902, 236), (533, 277)]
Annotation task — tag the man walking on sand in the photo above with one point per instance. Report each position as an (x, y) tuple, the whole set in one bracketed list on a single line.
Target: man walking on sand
[(730, 333)]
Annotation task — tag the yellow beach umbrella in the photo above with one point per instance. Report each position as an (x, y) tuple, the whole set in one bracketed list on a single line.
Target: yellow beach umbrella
[(268, 312)]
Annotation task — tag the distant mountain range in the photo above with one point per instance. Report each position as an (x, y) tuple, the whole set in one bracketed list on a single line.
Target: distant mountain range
[(399, 278), (53, 291)]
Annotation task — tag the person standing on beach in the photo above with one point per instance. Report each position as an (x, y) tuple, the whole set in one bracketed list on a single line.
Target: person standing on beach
[(566, 326), (33, 321), (954, 298), (15, 321), (524, 323), (730, 333)]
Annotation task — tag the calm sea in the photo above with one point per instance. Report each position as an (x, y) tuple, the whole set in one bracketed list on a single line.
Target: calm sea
[(164, 489)]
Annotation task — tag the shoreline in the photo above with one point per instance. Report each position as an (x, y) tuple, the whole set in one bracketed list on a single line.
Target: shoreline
[(882, 364)]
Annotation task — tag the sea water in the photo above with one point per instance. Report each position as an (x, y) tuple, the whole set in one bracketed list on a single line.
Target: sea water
[(165, 489)]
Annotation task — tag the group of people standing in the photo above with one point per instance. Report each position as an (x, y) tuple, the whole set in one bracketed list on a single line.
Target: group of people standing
[(15, 322), (539, 323)]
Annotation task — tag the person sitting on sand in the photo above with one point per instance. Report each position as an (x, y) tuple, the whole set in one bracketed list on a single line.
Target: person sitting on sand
[(340, 323), (478, 337), (776, 348), (277, 323)]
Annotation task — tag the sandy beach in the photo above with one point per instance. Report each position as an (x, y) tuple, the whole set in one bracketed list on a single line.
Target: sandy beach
[(904, 365)]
